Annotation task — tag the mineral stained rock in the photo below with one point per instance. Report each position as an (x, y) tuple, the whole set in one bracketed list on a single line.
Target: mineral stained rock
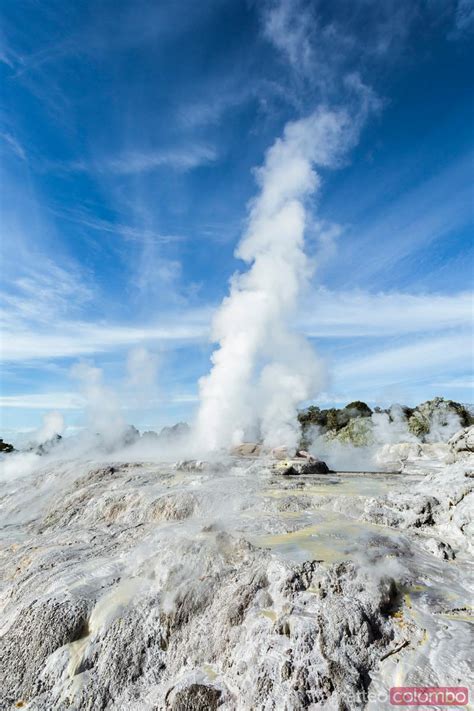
[(462, 443), (329, 629), (442, 501), (434, 421), (247, 449), (357, 432), (437, 413), (280, 452), (138, 587)]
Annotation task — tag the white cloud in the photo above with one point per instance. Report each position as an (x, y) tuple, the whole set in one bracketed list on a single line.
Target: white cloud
[(41, 312), (14, 145), (320, 47), (69, 339), (5, 59), (424, 357), (218, 98), (43, 401), (287, 25), (75, 401), (128, 232), (402, 346), (42, 291), (37, 322), (133, 162), (358, 313), (464, 383), (182, 159), (428, 213)]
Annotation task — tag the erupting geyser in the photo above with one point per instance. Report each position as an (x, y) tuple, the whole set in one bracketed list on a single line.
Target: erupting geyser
[(262, 369)]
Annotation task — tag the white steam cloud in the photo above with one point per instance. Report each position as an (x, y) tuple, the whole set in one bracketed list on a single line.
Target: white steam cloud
[(262, 369), (53, 424), (104, 416)]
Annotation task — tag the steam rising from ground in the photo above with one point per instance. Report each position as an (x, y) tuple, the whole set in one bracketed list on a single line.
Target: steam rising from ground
[(383, 429), (20, 464), (262, 369), (53, 424), (103, 408)]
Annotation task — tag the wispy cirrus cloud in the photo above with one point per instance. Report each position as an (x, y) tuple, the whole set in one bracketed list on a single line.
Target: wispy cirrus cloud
[(406, 370), (407, 227), (422, 357), (393, 346), (357, 313), (128, 232), (75, 401), (209, 110), (392, 339), (70, 339), (42, 317), (44, 401), (46, 314), (136, 161), (42, 294), (13, 144), (465, 382), (183, 159)]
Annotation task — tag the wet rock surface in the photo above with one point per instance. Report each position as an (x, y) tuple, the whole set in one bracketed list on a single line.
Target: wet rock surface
[(298, 467)]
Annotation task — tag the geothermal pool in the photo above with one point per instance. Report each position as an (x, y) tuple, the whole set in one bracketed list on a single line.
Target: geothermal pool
[(143, 585)]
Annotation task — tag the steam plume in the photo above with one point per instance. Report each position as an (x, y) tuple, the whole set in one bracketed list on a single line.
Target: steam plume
[(262, 369), (103, 412), (53, 424)]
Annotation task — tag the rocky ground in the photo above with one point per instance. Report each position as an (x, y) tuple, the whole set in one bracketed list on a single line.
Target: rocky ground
[(234, 583), (358, 425)]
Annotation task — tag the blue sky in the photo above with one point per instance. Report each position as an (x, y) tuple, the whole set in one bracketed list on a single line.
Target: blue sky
[(129, 134)]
